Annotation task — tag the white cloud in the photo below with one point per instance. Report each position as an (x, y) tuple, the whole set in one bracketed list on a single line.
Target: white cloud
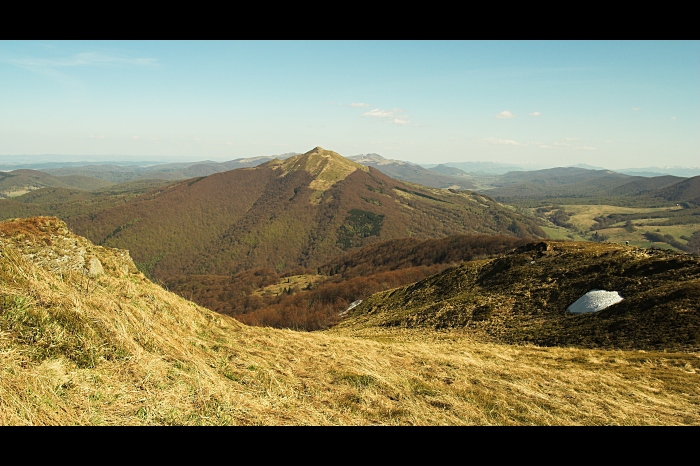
[(359, 104), (505, 114), (673, 118), (635, 108), (585, 148), (376, 113), (498, 141), (395, 116), (535, 114)]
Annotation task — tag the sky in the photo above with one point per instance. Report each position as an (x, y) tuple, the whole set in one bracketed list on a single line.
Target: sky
[(612, 104)]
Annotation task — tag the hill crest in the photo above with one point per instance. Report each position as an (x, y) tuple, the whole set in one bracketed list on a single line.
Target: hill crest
[(327, 167), (523, 297)]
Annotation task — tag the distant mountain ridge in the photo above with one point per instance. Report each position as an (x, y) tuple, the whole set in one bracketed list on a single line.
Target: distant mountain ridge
[(480, 168), (23, 180), (569, 184), (301, 211), (406, 171), (163, 171)]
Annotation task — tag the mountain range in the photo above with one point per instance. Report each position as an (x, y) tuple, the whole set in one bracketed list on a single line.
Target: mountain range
[(300, 211)]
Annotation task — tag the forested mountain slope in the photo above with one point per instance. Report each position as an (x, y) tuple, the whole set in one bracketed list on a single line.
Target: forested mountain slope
[(301, 211)]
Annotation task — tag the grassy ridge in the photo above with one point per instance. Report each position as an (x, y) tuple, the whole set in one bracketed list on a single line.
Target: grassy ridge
[(522, 297), (80, 346)]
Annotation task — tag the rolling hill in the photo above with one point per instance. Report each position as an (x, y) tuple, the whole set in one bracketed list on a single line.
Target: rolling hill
[(86, 339), (21, 181), (574, 185), (523, 296), (687, 190)]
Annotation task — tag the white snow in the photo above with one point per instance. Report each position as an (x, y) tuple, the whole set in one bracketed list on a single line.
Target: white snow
[(594, 301), (354, 304)]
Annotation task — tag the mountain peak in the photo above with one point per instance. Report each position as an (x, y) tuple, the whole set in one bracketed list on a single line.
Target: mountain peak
[(326, 166)]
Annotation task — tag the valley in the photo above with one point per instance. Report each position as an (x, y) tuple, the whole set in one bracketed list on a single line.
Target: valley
[(223, 298)]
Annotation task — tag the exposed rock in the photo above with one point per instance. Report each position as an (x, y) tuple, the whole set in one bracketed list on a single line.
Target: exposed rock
[(48, 243), (94, 267)]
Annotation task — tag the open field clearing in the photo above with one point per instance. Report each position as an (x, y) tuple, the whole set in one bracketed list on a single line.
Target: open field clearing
[(293, 282), (581, 218), (583, 215), (16, 192), (560, 233), (636, 238)]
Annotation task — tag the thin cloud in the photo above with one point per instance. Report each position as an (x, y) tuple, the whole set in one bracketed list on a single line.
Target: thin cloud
[(535, 114), (395, 116), (83, 59), (505, 114), (376, 113), (673, 118), (498, 141), (636, 109), (359, 104)]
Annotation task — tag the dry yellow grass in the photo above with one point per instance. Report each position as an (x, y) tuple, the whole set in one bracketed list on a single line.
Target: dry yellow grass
[(294, 282), (582, 215), (119, 350)]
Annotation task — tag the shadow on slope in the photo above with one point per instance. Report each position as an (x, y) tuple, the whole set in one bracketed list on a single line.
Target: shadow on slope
[(523, 297)]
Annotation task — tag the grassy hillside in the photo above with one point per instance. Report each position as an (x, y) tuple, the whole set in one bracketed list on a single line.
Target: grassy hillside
[(85, 339), (523, 297)]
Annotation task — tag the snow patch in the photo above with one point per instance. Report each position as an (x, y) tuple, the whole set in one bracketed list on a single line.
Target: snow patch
[(594, 301), (354, 304)]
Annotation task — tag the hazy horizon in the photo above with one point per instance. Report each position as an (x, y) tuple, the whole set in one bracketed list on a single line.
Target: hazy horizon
[(611, 104)]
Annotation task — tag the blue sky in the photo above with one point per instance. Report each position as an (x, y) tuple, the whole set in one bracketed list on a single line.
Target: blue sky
[(616, 104)]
